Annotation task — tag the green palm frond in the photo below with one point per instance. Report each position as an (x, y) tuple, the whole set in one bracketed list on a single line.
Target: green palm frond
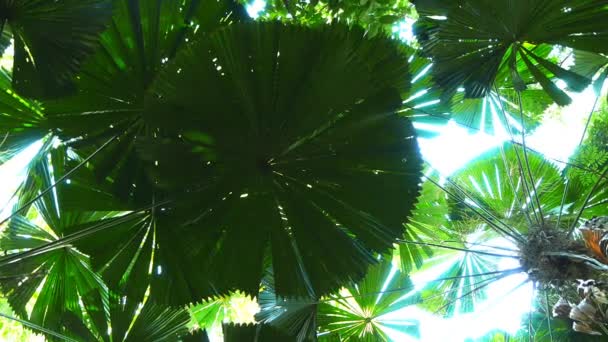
[(58, 305), (22, 122), (52, 39), (592, 65), (356, 313), (234, 307), (113, 83), (157, 323), (428, 223), (148, 238), (462, 286), (498, 112), (308, 169), (293, 316), (499, 182), (478, 44)]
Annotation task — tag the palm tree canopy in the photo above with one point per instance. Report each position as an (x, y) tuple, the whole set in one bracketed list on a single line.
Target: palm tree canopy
[(186, 156)]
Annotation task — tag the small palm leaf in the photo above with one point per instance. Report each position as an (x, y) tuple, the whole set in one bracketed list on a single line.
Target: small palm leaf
[(52, 39), (499, 183), (591, 64), (358, 312), (294, 316), (497, 112), (360, 315), (474, 42), (314, 160), (234, 307), (427, 224), (461, 286)]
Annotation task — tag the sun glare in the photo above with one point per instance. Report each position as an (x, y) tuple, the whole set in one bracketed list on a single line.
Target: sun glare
[(255, 8), (557, 138), (12, 172)]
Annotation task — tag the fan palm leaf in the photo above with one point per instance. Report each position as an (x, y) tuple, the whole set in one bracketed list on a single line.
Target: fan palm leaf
[(114, 82), (499, 183), (148, 237), (356, 313), (474, 42), (280, 151), (44, 275)]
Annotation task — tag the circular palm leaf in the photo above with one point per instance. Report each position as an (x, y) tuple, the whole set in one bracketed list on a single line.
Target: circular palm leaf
[(510, 187), (286, 143)]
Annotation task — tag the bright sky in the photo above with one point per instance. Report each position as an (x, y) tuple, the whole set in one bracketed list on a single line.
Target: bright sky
[(508, 300), (557, 137), (11, 174)]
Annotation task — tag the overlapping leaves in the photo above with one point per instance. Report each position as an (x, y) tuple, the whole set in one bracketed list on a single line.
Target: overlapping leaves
[(357, 313), (52, 39), (142, 38), (42, 258), (478, 44)]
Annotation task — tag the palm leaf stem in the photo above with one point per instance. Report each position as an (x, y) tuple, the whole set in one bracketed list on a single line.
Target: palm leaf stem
[(485, 283), (7, 132), (580, 142), (460, 249), (602, 202), (519, 162), (400, 289), (487, 220), (37, 327), (523, 142), (591, 262), (548, 314), (588, 122), (530, 326), (563, 202), (67, 240), (512, 184), (465, 195), (481, 244)]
